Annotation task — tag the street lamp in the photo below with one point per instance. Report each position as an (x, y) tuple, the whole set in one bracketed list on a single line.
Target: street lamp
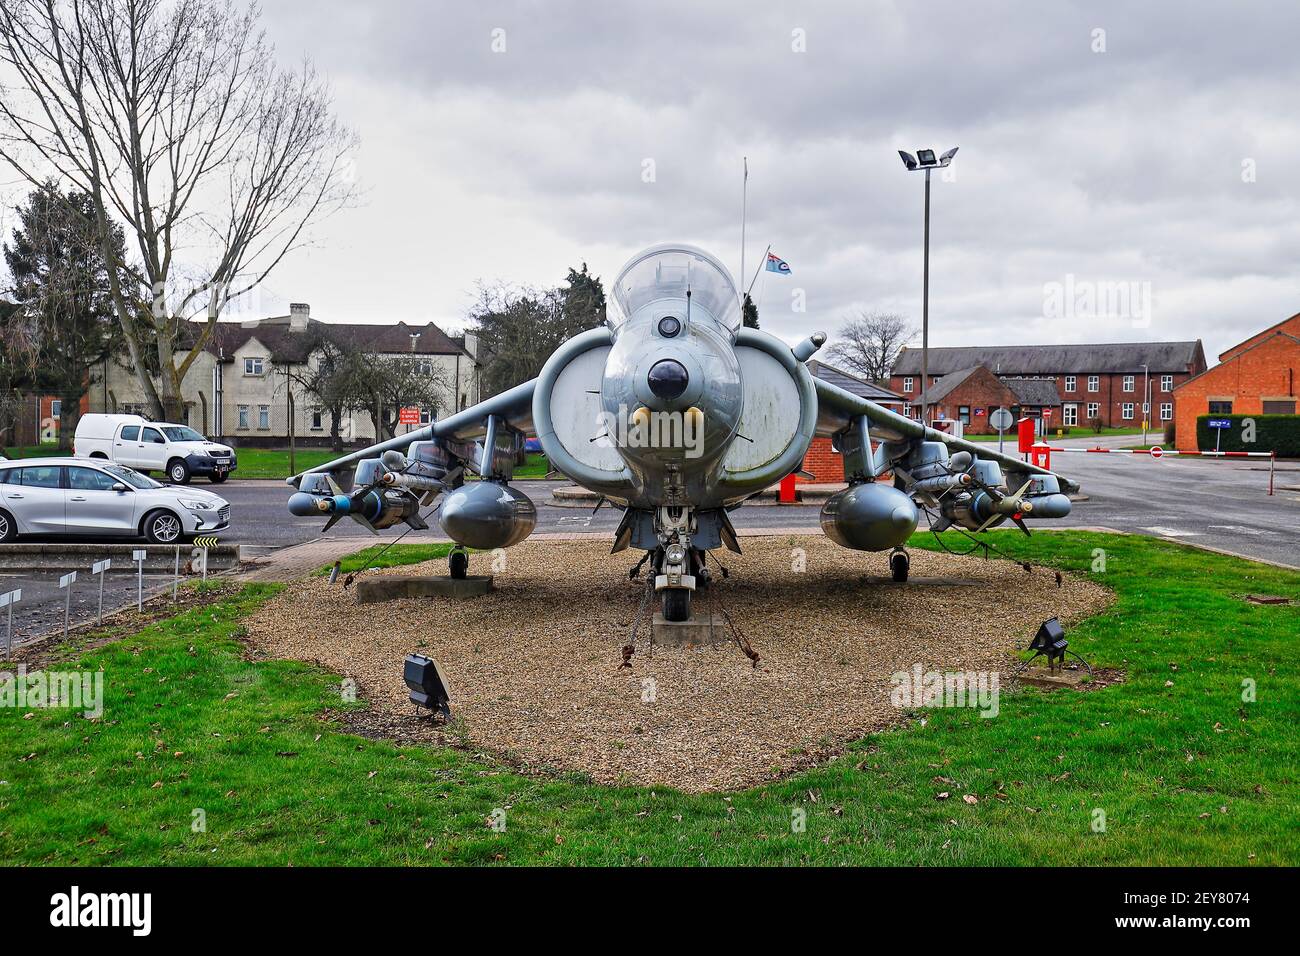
[(925, 159), (1146, 399)]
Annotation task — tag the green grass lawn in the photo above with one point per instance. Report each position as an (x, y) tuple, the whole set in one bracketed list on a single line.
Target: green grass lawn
[(1185, 770)]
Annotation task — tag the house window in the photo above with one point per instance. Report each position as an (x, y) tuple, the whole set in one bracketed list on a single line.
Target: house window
[(1166, 383), (1220, 408), (425, 367), (253, 366), (426, 416), (907, 386), (1094, 383), (133, 408), (934, 379), (1070, 414), (56, 408), (1128, 383), (1070, 382), (1126, 411), (963, 414), (1094, 410), (1284, 406), (263, 416), (243, 416), (317, 420), (1166, 411), (907, 409)]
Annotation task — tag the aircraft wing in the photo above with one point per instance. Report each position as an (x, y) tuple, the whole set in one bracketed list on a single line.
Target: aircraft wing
[(513, 407), (837, 409)]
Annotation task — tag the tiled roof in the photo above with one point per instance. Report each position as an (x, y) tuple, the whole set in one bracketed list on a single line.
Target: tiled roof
[(1053, 359), (851, 383), (292, 345)]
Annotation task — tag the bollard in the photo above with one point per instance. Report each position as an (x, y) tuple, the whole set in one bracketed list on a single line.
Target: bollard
[(176, 574)]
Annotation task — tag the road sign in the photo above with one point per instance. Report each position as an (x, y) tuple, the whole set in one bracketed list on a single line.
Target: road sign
[(408, 416), (1047, 413), (66, 582), (1156, 451), (1002, 419), (1219, 423), (9, 599), (99, 567), (138, 555), (205, 541)]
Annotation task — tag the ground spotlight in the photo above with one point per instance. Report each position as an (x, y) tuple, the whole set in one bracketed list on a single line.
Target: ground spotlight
[(1050, 642), (428, 689)]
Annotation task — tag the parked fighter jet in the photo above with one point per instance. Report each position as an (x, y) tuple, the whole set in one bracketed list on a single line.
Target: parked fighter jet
[(677, 415)]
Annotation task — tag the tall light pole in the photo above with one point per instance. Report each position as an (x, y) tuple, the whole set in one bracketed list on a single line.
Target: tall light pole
[(925, 159), (1146, 399)]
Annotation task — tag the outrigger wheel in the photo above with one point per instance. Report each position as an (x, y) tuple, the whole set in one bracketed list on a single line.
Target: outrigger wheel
[(458, 560), (899, 564)]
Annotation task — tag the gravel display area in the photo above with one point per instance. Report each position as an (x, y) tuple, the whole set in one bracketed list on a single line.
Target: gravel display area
[(535, 672)]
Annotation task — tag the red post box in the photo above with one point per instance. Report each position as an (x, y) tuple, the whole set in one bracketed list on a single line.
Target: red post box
[(1025, 434), (786, 495)]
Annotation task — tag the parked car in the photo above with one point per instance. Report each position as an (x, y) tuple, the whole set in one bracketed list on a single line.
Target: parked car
[(95, 497), (177, 450)]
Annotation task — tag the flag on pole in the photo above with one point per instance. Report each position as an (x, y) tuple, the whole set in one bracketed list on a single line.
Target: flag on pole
[(776, 264)]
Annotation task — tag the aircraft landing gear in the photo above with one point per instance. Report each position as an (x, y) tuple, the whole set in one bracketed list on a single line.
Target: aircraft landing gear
[(899, 565), (458, 562), (676, 604)]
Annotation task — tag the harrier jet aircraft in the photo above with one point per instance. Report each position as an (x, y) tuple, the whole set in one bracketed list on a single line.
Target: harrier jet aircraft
[(677, 415)]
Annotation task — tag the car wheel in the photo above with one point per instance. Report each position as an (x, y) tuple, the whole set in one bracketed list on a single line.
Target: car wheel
[(217, 479), (8, 527), (178, 472), (163, 527)]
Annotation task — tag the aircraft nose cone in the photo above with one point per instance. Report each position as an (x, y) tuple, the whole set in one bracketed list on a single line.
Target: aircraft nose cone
[(668, 379)]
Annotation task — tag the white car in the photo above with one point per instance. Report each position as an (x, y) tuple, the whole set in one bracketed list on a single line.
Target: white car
[(93, 497), (177, 450)]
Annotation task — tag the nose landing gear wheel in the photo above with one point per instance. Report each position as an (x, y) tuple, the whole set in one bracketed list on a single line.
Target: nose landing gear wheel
[(677, 604), (899, 564), (458, 561)]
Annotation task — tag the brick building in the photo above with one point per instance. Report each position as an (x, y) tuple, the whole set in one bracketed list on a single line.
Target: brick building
[(1092, 381), (823, 462), (971, 395), (1254, 377)]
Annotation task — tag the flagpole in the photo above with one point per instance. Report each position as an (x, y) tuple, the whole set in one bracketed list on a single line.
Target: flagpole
[(744, 208), (761, 263)]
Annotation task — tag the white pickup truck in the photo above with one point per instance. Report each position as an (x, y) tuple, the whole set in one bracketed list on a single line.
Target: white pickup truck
[(177, 450)]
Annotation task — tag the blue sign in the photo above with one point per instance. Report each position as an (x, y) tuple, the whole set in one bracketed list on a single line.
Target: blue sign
[(1219, 423)]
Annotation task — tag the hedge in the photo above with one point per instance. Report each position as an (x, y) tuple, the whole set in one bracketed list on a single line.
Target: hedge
[(1279, 433)]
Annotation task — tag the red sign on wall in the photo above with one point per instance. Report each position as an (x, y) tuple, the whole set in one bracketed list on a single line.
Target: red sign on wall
[(408, 416)]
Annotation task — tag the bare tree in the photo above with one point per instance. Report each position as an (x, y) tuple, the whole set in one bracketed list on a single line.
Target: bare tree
[(869, 345), (174, 116)]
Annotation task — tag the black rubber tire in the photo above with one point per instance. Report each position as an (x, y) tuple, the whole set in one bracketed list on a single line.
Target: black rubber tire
[(159, 530), (217, 479), (677, 604), (178, 473), (899, 565), (8, 527), (459, 564)]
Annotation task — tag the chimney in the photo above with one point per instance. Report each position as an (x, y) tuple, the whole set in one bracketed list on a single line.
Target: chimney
[(299, 315), (471, 344)]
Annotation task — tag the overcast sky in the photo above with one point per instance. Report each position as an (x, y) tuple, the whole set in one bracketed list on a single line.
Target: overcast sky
[(1158, 157)]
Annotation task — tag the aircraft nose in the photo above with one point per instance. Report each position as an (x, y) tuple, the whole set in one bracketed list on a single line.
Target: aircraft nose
[(668, 379)]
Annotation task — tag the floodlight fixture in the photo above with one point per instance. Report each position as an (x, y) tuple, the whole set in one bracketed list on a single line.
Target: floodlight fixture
[(428, 688), (1050, 642)]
